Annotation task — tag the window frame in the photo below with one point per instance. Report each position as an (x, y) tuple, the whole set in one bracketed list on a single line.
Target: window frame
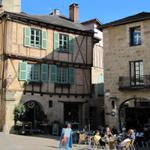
[(35, 36), (34, 75), (62, 42), (136, 73), (62, 75), (133, 33)]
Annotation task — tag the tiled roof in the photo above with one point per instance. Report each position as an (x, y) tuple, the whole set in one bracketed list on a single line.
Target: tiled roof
[(60, 21), (134, 18)]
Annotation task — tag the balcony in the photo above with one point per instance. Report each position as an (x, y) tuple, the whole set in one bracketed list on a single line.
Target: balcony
[(128, 83)]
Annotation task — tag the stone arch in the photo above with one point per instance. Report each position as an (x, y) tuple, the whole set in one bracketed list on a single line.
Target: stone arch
[(135, 99), (35, 113)]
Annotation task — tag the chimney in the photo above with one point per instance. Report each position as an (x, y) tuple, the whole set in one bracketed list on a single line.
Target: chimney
[(11, 5), (74, 12), (56, 12)]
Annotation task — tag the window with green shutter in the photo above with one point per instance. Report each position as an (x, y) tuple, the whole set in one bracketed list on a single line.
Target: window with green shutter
[(63, 43), (44, 72), (35, 38), (62, 75), (33, 72), (23, 71)]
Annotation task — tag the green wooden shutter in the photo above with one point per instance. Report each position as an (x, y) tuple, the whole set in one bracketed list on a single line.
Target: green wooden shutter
[(44, 72), (27, 36), (44, 39), (71, 44), (71, 75), (56, 41), (23, 71), (53, 73)]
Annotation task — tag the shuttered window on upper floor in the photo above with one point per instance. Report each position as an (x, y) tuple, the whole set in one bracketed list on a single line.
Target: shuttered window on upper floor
[(64, 43), (44, 73), (35, 38)]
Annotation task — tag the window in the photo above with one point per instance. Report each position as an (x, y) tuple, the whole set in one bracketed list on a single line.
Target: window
[(62, 75), (136, 73), (50, 104), (35, 38), (64, 42), (33, 72), (135, 36)]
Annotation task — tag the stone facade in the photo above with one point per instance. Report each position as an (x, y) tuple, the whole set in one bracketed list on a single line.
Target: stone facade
[(117, 54)]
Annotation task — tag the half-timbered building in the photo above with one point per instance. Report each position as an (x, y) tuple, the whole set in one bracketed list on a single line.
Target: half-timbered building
[(45, 64)]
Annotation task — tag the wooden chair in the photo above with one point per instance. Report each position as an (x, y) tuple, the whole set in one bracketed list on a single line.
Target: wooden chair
[(96, 141), (127, 146), (112, 145), (132, 147), (82, 138)]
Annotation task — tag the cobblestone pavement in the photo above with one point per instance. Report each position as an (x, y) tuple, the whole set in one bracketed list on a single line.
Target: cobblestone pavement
[(40, 142)]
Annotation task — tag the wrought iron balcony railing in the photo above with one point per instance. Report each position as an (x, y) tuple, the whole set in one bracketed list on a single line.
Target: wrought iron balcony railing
[(128, 83)]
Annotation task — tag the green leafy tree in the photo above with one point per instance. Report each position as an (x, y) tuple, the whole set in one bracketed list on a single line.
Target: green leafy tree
[(19, 112)]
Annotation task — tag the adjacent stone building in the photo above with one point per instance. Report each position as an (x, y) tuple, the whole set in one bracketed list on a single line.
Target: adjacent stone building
[(46, 65), (127, 71)]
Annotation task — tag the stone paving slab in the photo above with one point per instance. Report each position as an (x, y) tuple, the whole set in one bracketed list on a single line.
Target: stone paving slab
[(40, 142)]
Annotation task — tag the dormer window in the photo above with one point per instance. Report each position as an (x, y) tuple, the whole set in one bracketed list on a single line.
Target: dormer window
[(135, 36)]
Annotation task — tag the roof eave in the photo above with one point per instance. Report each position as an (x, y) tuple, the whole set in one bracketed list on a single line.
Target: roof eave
[(113, 24), (21, 17)]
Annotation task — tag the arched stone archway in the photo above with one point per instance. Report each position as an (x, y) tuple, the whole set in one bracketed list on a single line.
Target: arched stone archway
[(34, 113), (131, 112)]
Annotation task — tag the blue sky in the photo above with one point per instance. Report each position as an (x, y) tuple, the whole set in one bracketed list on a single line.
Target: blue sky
[(104, 10)]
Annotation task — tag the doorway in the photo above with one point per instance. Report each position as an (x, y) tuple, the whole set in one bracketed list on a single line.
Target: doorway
[(72, 111), (34, 113)]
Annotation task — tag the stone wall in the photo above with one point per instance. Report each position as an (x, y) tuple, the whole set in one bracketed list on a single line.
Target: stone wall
[(117, 54)]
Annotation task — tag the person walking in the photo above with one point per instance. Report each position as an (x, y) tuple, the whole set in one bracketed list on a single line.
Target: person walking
[(66, 138)]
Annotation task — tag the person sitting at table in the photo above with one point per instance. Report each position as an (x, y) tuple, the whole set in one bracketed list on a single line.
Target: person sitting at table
[(108, 137), (97, 138), (108, 134), (124, 143), (131, 134), (130, 137)]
